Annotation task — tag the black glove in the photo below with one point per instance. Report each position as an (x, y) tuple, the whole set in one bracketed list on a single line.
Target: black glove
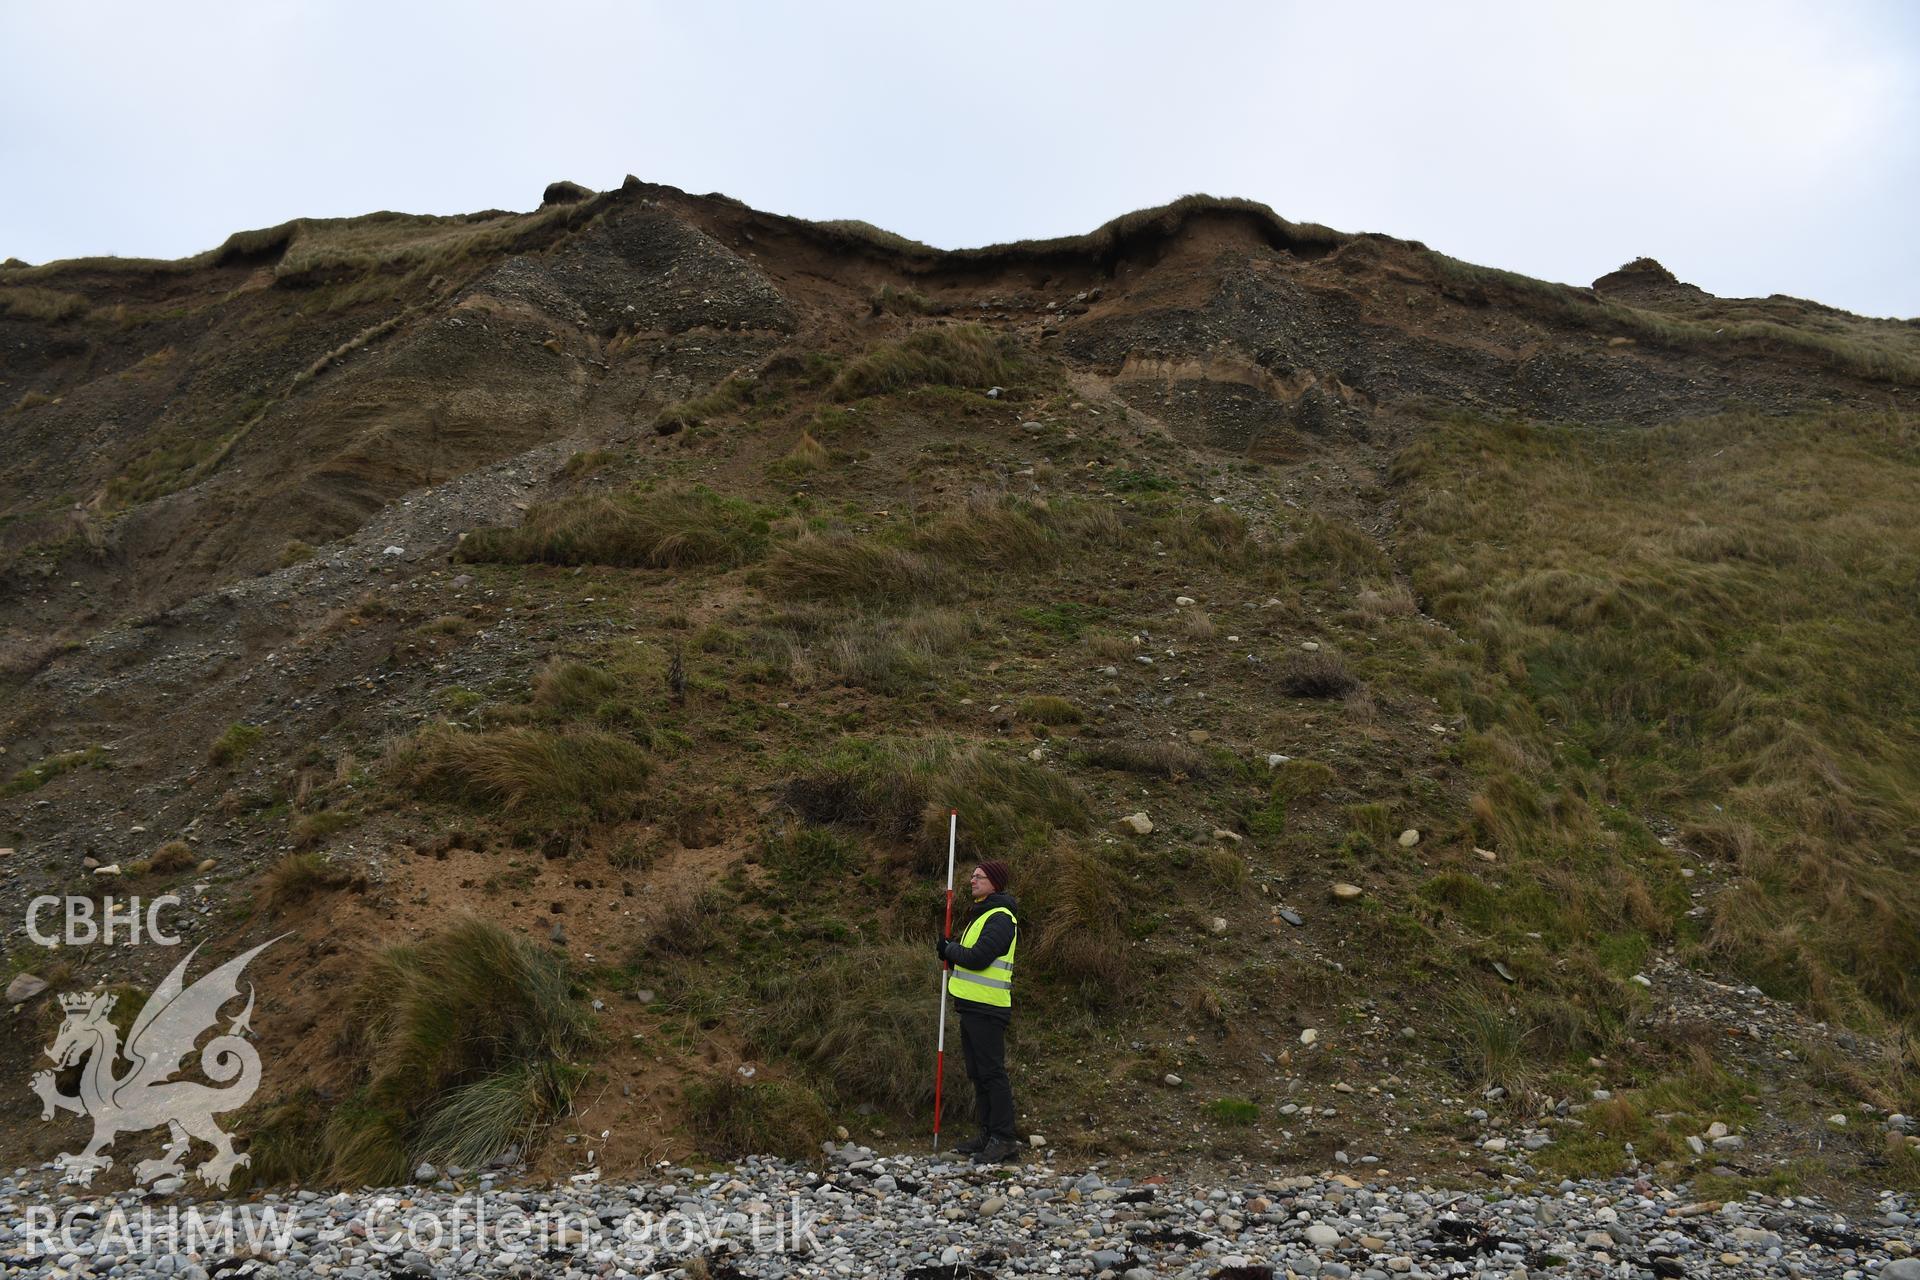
[(940, 947)]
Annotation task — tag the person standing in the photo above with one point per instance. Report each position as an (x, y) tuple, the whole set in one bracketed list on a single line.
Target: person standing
[(981, 984)]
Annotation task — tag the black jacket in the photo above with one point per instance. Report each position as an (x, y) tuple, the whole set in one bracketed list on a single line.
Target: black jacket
[(996, 936)]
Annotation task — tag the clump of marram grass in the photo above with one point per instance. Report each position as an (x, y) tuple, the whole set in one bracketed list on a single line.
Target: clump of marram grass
[(1489, 1044), (807, 454), (299, 876), (730, 396), (730, 1117), (992, 531), (234, 743), (967, 355), (901, 302), (1333, 552), (465, 1044), (824, 566), (803, 853), (843, 1014), (47, 768), (1113, 646), (1234, 1111), (568, 691), (1216, 534), (1373, 605), (1315, 675), (172, 857), (1071, 907), (532, 771), (1051, 709), (688, 922), (31, 399), (669, 530), (1160, 757), (890, 655), (310, 829)]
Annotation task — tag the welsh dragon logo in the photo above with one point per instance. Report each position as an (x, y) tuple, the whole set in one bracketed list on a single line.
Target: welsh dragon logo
[(144, 1096)]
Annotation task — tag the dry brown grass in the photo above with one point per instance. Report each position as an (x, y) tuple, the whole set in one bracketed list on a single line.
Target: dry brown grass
[(806, 455), (173, 857)]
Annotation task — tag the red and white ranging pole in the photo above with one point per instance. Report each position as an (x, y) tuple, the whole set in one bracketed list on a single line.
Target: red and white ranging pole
[(940, 1051)]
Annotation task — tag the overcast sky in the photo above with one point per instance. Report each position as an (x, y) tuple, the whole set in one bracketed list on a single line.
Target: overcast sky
[(1754, 148)]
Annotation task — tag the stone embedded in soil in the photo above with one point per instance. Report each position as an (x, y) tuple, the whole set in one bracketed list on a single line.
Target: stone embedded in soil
[(24, 987)]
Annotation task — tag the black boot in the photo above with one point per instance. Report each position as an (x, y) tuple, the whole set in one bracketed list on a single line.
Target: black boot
[(998, 1151), (971, 1146)]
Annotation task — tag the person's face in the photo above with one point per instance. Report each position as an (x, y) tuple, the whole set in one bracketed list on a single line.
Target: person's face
[(980, 884)]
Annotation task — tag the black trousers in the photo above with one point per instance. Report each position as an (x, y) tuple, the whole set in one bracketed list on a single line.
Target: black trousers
[(983, 1043)]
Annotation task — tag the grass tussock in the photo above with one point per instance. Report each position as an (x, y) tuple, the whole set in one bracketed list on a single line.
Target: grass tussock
[(172, 858), (843, 1015), (827, 566), (1051, 709), (730, 1117), (1320, 674), (806, 455), (233, 744), (466, 1043), (1490, 1044), (31, 400), (952, 355), (902, 302), (892, 655), (300, 876), (566, 691), (688, 923), (1072, 904), (526, 770), (1160, 757), (670, 530), (962, 550), (729, 397)]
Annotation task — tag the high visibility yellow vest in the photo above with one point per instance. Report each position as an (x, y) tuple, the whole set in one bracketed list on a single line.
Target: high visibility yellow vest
[(993, 984)]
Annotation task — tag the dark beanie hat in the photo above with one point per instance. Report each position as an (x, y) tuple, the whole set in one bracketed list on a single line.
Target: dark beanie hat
[(997, 872)]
